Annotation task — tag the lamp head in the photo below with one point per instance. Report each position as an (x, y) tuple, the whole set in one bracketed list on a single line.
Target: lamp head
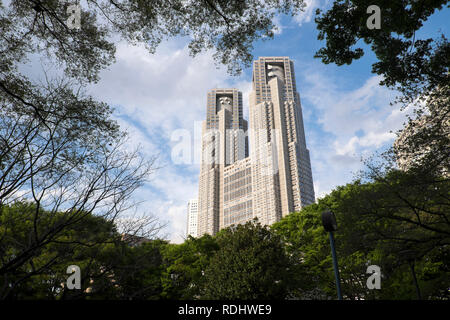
[(329, 221)]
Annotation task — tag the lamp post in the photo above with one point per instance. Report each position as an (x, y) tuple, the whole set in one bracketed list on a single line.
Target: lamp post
[(330, 225)]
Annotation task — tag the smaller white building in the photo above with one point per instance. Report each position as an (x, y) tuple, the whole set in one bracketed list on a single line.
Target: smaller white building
[(192, 218)]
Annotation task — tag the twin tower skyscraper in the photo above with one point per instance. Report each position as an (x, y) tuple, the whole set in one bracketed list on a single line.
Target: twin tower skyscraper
[(261, 170)]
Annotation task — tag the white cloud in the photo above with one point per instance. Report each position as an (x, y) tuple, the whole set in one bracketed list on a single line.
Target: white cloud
[(278, 26), (158, 94), (347, 125), (154, 95), (177, 215), (309, 11), (163, 91), (165, 197)]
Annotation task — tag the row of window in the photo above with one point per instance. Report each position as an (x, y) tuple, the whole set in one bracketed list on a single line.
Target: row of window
[(238, 193), (238, 207), (238, 218), (239, 183), (237, 175)]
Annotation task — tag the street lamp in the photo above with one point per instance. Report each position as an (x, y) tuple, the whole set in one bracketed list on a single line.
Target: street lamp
[(330, 225)]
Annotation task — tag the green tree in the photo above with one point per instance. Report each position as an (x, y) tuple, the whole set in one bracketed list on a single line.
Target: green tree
[(407, 216), (408, 241), (110, 267), (417, 68), (413, 66), (227, 27), (59, 147), (308, 244), (404, 212), (251, 263), (185, 265), (127, 272), (43, 272)]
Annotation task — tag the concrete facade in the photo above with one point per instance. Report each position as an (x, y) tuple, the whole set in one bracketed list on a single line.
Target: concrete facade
[(272, 180), (192, 219)]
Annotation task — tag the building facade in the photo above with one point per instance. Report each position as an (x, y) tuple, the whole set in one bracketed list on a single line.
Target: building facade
[(423, 138), (192, 218), (267, 178)]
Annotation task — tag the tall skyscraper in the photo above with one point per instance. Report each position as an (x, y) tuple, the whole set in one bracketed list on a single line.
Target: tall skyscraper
[(275, 178), (224, 142), (192, 218)]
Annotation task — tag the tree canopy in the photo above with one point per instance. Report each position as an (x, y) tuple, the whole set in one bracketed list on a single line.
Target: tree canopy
[(395, 223), (413, 66), (227, 27), (65, 175), (251, 263), (110, 267)]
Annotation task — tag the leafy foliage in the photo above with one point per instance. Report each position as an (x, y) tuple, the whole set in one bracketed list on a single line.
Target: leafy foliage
[(413, 66), (185, 265), (251, 263), (110, 268), (227, 27), (395, 224)]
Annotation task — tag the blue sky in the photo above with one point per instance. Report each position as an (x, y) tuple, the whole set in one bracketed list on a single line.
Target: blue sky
[(160, 97)]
